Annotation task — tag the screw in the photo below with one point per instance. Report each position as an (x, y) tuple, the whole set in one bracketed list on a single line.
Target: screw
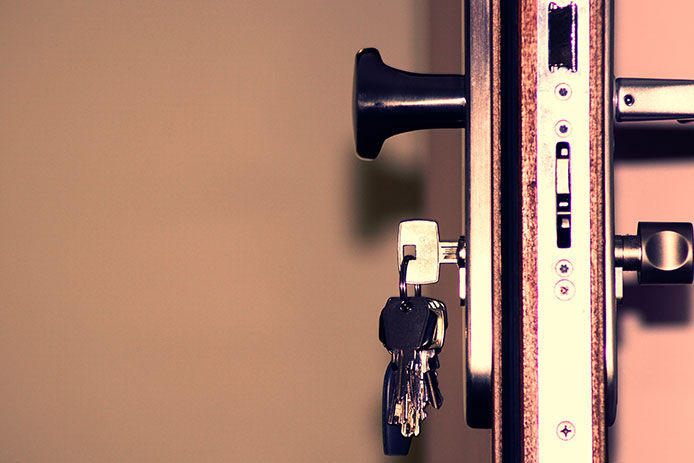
[(564, 290), (629, 99), (562, 91), (564, 268), (566, 430), (563, 128)]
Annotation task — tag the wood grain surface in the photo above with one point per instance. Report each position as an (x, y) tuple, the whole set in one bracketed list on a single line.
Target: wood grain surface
[(597, 222), (528, 153)]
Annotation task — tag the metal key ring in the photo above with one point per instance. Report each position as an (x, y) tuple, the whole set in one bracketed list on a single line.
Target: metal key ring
[(403, 281)]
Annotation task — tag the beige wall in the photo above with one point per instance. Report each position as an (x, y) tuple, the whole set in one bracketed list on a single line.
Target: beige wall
[(186, 273), (192, 261)]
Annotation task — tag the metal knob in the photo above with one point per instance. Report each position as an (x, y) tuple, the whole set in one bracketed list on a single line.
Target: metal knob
[(388, 101), (661, 252)]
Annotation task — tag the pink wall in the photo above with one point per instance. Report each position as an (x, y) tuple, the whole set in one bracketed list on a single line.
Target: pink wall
[(656, 334)]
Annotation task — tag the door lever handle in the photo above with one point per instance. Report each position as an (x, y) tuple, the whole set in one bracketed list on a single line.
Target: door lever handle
[(654, 100)]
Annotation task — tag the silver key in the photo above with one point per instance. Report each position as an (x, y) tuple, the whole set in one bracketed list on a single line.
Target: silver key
[(423, 237), (409, 409)]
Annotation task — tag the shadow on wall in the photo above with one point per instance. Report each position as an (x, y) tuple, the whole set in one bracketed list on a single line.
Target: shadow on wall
[(384, 193), (659, 304), (668, 141), (655, 143), (656, 305)]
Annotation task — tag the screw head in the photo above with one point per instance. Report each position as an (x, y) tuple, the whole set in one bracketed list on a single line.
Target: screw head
[(563, 128), (562, 91), (564, 268), (564, 290), (629, 99), (566, 430)]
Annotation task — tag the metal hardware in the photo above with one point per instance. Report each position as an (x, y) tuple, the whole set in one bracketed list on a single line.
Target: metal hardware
[(402, 281), (563, 211), (394, 443), (654, 99), (612, 289), (661, 252), (423, 236), (627, 252), (414, 337), (462, 272), (564, 290), (413, 331), (388, 101), (479, 298), (562, 91), (566, 430), (564, 268), (563, 128)]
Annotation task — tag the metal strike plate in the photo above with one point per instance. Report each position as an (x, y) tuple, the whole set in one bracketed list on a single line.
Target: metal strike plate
[(563, 137)]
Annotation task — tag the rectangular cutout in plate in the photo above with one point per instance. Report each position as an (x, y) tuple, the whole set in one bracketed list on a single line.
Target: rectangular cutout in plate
[(563, 194), (563, 231), (563, 46), (563, 169)]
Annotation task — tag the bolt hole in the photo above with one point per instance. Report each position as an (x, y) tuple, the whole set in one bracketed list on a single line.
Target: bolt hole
[(629, 100)]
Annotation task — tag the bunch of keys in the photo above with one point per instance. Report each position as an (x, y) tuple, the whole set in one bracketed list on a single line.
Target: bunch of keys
[(412, 329)]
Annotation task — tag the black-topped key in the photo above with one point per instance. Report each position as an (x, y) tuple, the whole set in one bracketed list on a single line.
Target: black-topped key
[(413, 331)]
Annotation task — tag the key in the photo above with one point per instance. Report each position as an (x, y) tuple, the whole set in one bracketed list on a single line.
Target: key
[(413, 331), (422, 236), (430, 357), (394, 443), (432, 384), (439, 308)]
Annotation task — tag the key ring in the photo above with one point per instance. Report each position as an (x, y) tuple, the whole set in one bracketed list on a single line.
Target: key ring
[(403, 281)]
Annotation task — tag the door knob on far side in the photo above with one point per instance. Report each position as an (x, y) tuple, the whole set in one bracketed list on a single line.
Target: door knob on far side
[(661, 252), (388, 101)]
